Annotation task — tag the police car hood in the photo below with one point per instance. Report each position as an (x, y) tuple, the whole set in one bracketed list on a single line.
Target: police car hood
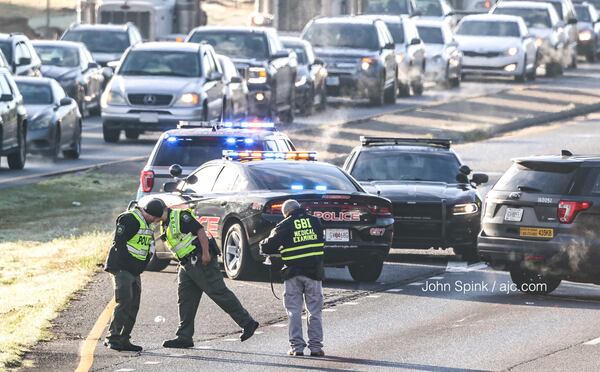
[(414, 191)]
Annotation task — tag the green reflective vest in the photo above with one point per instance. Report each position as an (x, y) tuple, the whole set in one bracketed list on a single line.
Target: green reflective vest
[(305, 242), (178, 243), (139, 245)]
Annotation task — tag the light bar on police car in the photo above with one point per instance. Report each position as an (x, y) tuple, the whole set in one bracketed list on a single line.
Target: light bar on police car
[(269, 155), (227, 125)]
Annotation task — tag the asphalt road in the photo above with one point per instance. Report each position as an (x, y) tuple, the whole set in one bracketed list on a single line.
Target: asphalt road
[(470, 319)]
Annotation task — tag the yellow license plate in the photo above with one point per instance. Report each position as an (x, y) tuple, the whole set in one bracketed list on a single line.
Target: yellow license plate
[(532, 232)]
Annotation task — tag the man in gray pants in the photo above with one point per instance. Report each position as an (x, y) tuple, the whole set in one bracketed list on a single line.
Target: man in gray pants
[(299, 241)]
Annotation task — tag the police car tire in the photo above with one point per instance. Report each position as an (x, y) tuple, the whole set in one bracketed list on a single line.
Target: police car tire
[(367, 271), (531, 282), (157, 264), (248, 267)]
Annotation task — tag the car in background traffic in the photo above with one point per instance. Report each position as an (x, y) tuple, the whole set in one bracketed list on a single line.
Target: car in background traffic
[(588, 25), (545, 25), (54, 122), (310, 78), (389, 7), (262, 60), (497, 45), (13, 123), (540, 222), (359, 55), (410, 53), (434, 202), (444, 58), (20, 54), (107, 43), (72, 65), (159, 84), (238, 199), (437, 10), (236, 90)]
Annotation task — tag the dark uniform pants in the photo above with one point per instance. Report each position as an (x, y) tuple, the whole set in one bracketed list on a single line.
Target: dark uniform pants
[(128, 289), (197, 279)]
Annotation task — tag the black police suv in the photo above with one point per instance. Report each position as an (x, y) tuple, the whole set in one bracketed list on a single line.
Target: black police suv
[(359, 55), (13, 122), (263, 61), (435, 204), (541, 222), (239, 200)]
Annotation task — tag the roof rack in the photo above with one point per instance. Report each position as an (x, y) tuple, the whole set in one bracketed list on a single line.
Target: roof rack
[(438, 142), (269, 155), (227, 125)]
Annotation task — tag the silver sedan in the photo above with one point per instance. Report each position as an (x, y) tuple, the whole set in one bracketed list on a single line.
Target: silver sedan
[(444, 59)]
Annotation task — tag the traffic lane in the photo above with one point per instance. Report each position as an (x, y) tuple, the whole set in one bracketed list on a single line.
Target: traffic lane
[(470, 322)]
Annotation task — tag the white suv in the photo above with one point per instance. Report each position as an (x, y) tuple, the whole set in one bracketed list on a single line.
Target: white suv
[(20, 55)]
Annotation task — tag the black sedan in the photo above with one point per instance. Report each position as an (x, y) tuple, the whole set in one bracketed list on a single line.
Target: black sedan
[(54, 122), (239, 202), (236, 91), (72, 65), (310, 79)]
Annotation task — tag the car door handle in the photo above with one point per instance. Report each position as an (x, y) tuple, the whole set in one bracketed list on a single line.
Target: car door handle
[(223, 203)]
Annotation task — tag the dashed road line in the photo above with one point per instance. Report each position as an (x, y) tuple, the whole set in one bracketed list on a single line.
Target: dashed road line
[(593, 342), (414, 284)]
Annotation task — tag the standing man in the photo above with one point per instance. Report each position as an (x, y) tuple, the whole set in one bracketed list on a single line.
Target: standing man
[(199, 273), (127, 259), (299, 240)]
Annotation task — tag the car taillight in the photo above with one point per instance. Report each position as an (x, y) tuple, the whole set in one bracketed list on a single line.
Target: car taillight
[(147, 180), (567, 210), (273, 208), (380, 210)]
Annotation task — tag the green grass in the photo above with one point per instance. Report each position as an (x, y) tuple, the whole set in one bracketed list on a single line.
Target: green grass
[(50, 249)]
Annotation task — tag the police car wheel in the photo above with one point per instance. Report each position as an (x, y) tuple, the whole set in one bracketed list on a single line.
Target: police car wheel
[(237, 259), (532, 282), (367, 271)]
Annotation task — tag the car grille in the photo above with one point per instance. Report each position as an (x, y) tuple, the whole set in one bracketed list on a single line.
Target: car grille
[(468, 53), (417, 212), (150, 99), (420, 220)]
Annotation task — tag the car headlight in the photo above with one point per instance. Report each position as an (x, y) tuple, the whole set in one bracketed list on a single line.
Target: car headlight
[(366, 62), (464, 209), (512, 51), (585, 35), (539, 42), (40, 121), (188, 99), (399, 58), (110, 98), (300, 82), (257, 75)]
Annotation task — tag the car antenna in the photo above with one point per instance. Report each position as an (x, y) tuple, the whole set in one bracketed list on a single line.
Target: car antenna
[(566, 153)]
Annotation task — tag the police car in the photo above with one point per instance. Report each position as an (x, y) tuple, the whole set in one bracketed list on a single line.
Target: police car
[(435, 202), (194, 143), (238, 199)]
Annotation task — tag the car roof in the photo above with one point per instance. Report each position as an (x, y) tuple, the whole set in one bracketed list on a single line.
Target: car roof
[(292, 40), (168, 46), (384, 17), (233, 29), (523, 4), (362, 20), (430, 22), (404, 148), (59, 43), (491, 18), (208, 132), (100, 27), (559, 159), (33, 80)]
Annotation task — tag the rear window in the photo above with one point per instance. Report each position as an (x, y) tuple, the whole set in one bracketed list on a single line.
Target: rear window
[(6, 47), (242, 45), (537, 178), (340, 35), (195, 151), (298, 176)]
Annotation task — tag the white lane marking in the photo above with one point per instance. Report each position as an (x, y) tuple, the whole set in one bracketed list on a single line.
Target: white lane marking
[(394, 290), (374, 296), (152, 363), (350, 303), (416, 284), (593, 342), (436, 278), (174, 355), (125, 370), (329, 310), (280, 325), (258, 332), (456, 267), (205, 347), (230, 339), (478, 266)]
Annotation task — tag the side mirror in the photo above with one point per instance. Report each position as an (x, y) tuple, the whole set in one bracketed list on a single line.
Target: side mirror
[(113, 65), (284, 53), (65, 101), (170, 186), (92, 65), (191, 179), (175, 170), (6, 97), (24, 61), (215, 75), (415, 41), (390, 46), (572, 21), (465, 170), (236, 80), (462, 178), (480, 178), (108, 73)]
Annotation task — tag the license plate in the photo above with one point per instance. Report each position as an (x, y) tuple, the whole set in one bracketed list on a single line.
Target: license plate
[(332, 81), (533, 232), (337, 235), (513, 214), (148, 117)]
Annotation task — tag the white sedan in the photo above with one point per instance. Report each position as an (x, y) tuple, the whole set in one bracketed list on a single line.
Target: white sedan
[(497, 45)]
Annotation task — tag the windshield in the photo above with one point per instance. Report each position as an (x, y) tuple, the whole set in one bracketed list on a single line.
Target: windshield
[(537, 178), (406, 166), (431, 35), (6, 48), (100, 41), (244, 45), (336, 35), (397, 31), (36, 94), (536, 18), (195, 151), (392, 7), (489, 28), (155, 63), (300, 53), (430, 8), (281, 175), (583, 13), (58, 56)]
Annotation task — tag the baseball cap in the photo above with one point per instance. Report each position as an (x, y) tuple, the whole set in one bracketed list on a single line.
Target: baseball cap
[(155, 207)]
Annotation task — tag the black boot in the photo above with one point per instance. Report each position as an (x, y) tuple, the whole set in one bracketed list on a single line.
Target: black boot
[(178, 343), (249, 330)]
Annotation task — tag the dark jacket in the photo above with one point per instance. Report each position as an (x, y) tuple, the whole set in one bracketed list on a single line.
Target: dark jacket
[(119, 257), (283, 236)]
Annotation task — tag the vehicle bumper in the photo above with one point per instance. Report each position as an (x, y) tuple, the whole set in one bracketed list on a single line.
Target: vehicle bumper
[(39, 140), (259, 101), (497, 66), (356, 85), (446, 233), (157, 120), (585, 47)]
